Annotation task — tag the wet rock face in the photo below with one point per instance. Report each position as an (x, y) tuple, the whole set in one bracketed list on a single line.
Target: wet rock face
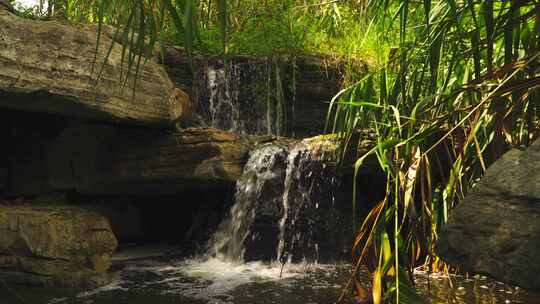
[(55, 246), (265, 95), (288, 206), (495, 230), (263, 184), (259, 95), (315, 220), (240, 96)]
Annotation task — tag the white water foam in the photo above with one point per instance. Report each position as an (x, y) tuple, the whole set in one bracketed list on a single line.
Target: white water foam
[(223, 276), (211, 279)]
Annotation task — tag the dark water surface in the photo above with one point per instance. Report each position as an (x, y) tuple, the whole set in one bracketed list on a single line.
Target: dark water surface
[(193, 281)]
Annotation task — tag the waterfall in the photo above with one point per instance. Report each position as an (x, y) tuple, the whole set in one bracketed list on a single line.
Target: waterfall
[(291, 186), (308, 200), (262, 175), (223, 98), (243, 95)]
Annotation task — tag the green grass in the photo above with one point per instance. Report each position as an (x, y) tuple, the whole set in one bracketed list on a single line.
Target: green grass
[(284, 27), (337, 31)]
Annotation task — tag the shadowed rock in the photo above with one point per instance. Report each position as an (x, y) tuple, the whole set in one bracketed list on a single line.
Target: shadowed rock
[(495, 230), (107, 160)]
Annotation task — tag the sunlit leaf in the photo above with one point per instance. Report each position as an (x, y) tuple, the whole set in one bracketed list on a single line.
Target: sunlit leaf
[(377, 287)]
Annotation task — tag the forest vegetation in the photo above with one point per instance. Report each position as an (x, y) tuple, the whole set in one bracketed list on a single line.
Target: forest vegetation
[(452, 84)]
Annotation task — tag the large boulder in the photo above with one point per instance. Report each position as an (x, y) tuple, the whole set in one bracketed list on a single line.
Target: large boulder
[(495, 230), (49, 66), (54, 246)]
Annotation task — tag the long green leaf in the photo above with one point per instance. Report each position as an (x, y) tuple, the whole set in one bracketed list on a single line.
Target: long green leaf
[(222, 13)]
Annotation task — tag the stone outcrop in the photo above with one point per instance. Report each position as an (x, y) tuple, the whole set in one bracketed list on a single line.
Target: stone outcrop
[(48, 66), (495, 230), (54, 246), (107, 160), (65, 131)]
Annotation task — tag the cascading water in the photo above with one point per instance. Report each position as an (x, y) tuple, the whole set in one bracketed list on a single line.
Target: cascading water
[(223, 99), (277, 206), (243, 95), (308, 201), (287, 211), (260, 181), (288, 187)]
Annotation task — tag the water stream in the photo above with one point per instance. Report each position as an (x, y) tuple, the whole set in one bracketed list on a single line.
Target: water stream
[(277, 246), (261, 182), (286, 198), (243, 95)]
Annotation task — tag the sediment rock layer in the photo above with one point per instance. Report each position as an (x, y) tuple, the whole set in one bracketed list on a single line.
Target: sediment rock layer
[(54, 246), (49, 66), (107, 160)]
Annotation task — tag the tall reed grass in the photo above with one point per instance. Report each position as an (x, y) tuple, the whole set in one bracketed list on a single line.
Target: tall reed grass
[(461, 88)]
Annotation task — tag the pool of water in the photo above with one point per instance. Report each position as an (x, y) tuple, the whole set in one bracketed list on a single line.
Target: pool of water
[(191, 281), (475, 289), (198, 281)]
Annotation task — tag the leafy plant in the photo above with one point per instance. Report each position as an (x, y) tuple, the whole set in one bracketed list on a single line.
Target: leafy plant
[(461, 88)]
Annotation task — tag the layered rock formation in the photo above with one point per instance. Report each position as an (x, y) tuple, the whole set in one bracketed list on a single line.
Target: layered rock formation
[(495, 230), (47, 66), (114, 160), (55, 246), (69, 126), (106, 160)]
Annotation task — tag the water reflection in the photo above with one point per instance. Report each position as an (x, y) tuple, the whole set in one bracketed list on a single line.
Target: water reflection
[(476, 289), (213, 281)]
